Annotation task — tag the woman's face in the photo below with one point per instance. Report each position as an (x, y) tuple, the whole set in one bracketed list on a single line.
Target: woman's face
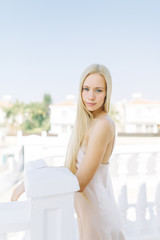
[(94, 92)]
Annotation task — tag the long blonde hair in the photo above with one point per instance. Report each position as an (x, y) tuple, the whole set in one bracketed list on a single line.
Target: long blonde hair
[(84, 117)]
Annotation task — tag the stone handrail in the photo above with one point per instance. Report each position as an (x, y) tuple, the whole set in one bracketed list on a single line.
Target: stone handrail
[(50, 193), (48, 212)]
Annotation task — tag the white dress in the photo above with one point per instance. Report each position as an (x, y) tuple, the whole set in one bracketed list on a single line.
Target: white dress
[(98, 215)]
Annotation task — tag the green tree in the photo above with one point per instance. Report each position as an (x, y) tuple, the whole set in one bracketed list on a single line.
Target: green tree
[(37, 118), (14, 116), (31, 118), (47, 100)]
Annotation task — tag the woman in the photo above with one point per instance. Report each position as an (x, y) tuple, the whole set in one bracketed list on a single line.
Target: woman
[(88, 155)]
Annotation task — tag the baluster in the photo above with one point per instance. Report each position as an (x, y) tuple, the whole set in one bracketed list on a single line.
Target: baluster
[(157, 195), (142, 161), (157, 208), (123, 202), (122, 161), (141, 206), (157, 168)]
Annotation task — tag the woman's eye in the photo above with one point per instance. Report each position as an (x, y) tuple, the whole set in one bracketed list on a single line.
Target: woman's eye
[(86, 89), (98, 90)]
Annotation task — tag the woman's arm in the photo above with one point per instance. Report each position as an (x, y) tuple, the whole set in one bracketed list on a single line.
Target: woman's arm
[(32, 165), (101, 135), (18, 191)]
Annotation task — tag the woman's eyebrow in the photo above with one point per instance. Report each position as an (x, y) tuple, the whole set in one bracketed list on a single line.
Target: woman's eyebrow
[(95, 87), (99, 87)]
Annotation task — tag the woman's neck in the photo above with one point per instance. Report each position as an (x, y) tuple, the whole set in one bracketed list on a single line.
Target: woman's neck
[(98, 114)]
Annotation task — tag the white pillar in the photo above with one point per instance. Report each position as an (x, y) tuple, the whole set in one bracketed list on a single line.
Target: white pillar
[(157, 196), (141, 206), (51, 190), (157, 209), (122, 172), (141, 209), (122, 161), (157, 168)]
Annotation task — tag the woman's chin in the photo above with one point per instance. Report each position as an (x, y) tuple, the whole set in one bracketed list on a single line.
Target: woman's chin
[(91, 109)]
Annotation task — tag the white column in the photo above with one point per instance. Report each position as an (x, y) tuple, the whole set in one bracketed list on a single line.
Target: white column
[(142, 170), (122, 161), (157, 168), (141, 206), (122, 172), (157, 196), (157, 209), (141, 209), (51, 190)]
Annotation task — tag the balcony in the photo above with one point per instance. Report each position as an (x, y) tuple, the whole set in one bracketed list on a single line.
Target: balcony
[(48, 212)]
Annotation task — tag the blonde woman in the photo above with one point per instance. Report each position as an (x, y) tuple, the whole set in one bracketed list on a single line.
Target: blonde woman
[(88, 155), (89, 151)]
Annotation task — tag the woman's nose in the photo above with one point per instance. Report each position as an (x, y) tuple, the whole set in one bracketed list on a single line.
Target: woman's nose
[(91, 95)]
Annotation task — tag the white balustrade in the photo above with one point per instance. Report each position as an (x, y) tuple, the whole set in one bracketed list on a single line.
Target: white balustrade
[(122, 160), (49, 211), (142, 160), (146, 225), (14, 217), (141, 207), (157, 209), (123, 203), (157, 196), (157, 168)]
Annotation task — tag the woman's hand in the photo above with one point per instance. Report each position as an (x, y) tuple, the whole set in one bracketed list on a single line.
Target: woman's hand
[(18, 191)]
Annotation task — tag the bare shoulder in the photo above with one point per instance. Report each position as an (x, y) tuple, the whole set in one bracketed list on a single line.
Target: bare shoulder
[(104, 126)]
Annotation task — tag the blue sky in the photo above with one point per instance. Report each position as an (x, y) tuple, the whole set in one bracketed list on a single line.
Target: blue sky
[(45, 45)]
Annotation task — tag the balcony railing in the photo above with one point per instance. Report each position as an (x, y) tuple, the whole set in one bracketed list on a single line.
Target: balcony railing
[(48, 212)]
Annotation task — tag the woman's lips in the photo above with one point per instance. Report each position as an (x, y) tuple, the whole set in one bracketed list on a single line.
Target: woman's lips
[(90, 104)]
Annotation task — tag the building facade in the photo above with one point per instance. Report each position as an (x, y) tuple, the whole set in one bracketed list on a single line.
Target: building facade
[(138, 115), (62, 116)]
